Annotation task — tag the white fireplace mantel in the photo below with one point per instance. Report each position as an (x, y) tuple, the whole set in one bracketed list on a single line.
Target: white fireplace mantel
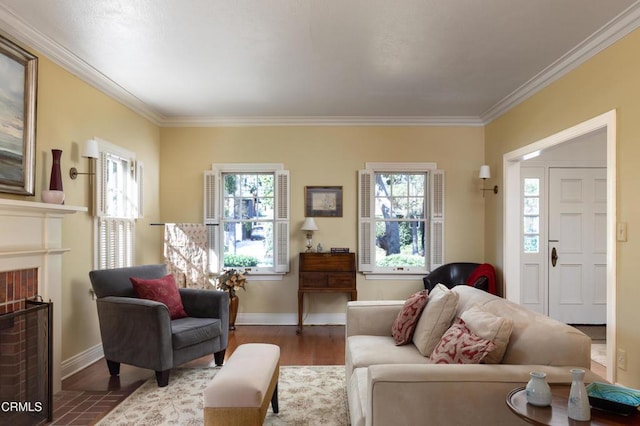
[(31, 237), (36, 206)]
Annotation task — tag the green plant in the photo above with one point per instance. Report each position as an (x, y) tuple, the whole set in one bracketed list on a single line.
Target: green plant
[(401, 260), (239, 261)]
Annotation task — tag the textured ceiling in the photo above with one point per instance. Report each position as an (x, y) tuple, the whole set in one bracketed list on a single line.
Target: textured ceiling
[(214, 59)]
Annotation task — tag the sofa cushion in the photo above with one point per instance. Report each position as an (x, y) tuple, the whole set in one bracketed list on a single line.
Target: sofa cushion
[(491, 327), (163, 290), (405, 323), (191, 331), (435, 319), (459, 345), (363, 351)]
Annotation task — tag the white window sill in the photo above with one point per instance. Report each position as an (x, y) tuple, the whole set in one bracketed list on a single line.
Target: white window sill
[(397, 277), (264, 277)]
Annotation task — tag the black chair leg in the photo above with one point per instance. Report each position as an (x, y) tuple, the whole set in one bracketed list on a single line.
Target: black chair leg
[(162, 377), (274, 399), (114, 367), (219, 357)]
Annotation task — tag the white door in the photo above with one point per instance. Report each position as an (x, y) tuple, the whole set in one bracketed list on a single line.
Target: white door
[(577, 245)]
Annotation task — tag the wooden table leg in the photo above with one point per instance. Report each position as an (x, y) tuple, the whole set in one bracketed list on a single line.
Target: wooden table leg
[(300, 308)]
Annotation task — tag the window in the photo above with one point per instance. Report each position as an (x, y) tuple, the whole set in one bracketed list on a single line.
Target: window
[(247, 210), (401, 218), (117, 205), (531, 215)]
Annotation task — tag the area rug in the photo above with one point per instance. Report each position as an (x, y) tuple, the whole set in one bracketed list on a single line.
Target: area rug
[(307, 395)]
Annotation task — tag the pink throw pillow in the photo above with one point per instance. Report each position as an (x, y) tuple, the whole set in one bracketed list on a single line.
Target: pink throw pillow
[(163, 290), (459, 345), (405, 323)]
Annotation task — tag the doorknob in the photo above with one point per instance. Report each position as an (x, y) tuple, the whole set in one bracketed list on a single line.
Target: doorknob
[(554, 257)]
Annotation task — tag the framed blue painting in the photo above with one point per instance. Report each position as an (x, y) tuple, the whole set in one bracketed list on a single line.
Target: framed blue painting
[(18, 81)]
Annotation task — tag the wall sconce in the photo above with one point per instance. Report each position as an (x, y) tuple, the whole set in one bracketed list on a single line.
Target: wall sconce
[(90, 151), (485, 173), (309, 226)]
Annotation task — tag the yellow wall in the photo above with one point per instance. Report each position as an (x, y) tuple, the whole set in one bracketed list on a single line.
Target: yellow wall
[(607, 81), (70, 111), (327, 156)]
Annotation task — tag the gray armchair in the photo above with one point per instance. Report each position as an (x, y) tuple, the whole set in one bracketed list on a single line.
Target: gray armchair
[(139, 332)]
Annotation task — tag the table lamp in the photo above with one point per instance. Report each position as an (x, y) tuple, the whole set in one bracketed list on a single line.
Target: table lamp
[(309, 226)]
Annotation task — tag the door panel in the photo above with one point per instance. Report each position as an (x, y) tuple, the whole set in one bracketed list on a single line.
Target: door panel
[(577, 231), (531, 291)]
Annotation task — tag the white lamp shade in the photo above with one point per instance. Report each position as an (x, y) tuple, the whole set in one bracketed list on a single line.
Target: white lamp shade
[(485, 172), (90, 149), (309, 225)]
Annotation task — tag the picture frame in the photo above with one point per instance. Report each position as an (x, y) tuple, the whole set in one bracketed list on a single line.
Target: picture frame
[(323, 201), (18, 89)]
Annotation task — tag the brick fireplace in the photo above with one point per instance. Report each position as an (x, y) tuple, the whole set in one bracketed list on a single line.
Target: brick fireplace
[(15, 286), (31, 262)]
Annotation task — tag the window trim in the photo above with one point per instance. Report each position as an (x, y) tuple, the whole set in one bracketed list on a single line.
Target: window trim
[(122, 227), (212, 202), (366, 218)]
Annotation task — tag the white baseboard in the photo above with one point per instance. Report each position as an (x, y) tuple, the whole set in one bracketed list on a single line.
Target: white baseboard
[(83, 359), (291, 319)]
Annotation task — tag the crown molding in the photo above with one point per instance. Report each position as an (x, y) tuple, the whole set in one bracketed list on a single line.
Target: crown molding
[(614, 30), (626, 22), (320, 121), (22, 32)]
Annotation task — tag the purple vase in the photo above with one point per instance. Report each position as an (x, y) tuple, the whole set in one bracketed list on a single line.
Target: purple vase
[(56, 175)]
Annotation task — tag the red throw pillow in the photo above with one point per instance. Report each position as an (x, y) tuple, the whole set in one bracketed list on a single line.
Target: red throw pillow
[(405, 323), (163, 290), (459, 345)]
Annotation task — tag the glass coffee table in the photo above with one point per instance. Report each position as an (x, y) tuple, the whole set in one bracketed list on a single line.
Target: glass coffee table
[(556, 414)]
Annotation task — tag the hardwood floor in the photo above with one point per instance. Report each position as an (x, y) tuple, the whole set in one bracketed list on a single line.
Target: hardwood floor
[(90, 394)]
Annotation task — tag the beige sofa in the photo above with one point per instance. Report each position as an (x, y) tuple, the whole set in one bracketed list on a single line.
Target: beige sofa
[(396, 385)]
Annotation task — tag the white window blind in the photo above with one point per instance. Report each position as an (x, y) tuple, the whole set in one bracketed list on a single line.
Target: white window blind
[(115, 242)]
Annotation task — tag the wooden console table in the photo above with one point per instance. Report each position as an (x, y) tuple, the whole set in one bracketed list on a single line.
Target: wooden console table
[(325, 273)]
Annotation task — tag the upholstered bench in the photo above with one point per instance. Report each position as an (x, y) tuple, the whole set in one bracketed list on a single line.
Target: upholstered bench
[(240, 393)]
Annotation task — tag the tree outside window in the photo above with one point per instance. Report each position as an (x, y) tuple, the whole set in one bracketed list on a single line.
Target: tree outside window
[(400, 219)]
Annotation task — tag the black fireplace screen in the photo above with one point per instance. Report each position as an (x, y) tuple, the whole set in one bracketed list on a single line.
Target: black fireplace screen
[(26, 365)]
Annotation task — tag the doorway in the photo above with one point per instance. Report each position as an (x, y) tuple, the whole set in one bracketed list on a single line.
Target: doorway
[(512, 223)]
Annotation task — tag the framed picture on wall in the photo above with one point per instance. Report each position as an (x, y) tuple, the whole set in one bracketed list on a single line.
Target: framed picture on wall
[(18, 79), (323, 201)]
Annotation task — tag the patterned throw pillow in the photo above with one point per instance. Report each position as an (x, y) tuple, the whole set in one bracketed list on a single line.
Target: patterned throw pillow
[(163, 290), (405, 323), (460, 346)]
